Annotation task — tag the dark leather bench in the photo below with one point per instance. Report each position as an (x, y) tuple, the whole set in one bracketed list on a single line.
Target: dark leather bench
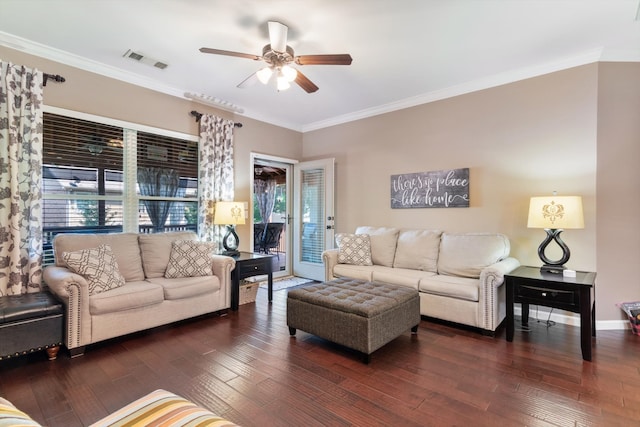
[(30, 322)]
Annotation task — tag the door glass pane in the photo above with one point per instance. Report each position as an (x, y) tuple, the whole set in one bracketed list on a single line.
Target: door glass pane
[(313, 224)]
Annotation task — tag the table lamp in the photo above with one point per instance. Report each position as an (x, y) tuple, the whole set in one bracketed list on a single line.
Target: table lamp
[(229, 214), (554, 214)]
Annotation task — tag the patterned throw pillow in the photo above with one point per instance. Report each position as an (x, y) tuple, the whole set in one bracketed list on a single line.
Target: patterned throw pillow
[(354, 249), (98, 266), (189, 258)]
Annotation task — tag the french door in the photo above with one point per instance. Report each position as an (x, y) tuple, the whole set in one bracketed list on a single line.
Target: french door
[(271, 209), (313, 217)]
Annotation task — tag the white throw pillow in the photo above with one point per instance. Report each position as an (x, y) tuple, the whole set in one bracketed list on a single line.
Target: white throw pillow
[(418, 250), (189, 258), (383, 243), (354, 249), (98, 266)]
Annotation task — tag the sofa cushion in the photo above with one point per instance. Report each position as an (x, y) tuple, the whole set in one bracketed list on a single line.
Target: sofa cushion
[(466, 254), (450, 286), (128, 297), (362, 272), (155, 250), (187, 287), (383, 243), (400, 276), (123, 245), (98, 266), (189, 258), (354, 249), (418, 250)]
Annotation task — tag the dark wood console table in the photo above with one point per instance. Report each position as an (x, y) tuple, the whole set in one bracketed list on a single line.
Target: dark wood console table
[(248, 265), (528, 285)]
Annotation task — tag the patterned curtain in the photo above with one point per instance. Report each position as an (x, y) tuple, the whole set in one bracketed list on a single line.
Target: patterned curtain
[(158, 182), (265, 191), (215, 175), (20, 179)]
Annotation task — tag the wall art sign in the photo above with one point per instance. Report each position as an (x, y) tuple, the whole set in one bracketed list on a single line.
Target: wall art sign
[(434, 189)]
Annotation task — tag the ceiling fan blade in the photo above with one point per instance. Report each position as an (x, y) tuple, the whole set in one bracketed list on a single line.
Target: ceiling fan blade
[(278, 36), (338, 59), (230, 53), (249, 81), (305, 83)]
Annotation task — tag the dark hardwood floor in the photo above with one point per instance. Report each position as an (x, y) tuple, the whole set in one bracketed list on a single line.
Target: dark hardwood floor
[(244, 366)]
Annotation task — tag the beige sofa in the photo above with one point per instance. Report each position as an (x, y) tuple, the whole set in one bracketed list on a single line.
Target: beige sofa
[(459, 276), (146, 299)]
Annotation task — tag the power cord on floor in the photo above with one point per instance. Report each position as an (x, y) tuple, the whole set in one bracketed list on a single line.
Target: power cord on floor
[(548, 322)]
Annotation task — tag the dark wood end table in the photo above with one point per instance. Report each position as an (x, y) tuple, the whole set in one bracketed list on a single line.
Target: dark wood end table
[(248, 265), (528, 285)]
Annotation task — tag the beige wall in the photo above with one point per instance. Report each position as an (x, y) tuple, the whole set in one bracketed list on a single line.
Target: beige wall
[(618, 224), (574, 131), (95, 94), (519, 140)]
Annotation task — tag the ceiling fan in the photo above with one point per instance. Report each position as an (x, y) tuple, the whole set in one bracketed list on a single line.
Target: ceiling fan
[(279, 57)]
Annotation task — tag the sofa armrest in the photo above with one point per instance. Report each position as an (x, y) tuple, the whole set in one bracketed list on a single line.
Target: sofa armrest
[(494, 274), (492, 303), (222, 266), (330, 259), (73, 290)]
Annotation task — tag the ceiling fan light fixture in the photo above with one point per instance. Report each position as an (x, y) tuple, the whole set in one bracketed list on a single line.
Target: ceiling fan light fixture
[(283, 83), (278, 56), (289, 73), (264, 75)]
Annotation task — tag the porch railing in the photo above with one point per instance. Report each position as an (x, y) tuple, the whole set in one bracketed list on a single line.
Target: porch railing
[(49, 233)]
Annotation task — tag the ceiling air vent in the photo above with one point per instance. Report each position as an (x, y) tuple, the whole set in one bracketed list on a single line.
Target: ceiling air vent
[(136, 56)]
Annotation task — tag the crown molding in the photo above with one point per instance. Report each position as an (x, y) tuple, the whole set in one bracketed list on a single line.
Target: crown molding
[(66, 58), (36, 49), (56, 55), (621, 55), (271, 121), (461, 89)]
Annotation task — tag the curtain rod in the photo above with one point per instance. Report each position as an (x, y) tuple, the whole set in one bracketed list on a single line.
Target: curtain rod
[(198, 116), (55, 77)]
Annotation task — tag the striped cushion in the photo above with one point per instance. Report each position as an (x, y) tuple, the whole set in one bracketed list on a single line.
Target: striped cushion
[(162, 408), (11, 416)]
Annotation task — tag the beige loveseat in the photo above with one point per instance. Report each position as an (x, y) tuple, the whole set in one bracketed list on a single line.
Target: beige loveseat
[(459, 276), (146, 298)]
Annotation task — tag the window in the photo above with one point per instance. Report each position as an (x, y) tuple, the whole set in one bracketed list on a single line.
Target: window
[(312, 214), (103, 176)]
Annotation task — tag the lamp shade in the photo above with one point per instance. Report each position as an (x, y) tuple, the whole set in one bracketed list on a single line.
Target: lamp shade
[(229, 213), (556, 212)]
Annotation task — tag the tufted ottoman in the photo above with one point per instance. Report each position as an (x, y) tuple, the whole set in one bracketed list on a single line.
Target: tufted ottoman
[(358, 314)]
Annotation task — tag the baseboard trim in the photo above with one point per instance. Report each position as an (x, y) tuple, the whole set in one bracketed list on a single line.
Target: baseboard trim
[(572, 319)]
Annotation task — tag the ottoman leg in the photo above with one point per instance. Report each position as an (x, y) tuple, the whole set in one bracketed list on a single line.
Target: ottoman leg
[(292, 331), (414, 330), (52, 352), (366, 358)]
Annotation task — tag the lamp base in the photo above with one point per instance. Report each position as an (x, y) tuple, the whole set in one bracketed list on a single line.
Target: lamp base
[(551, 266), (230, 253), (230, 242), (553, 269)]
